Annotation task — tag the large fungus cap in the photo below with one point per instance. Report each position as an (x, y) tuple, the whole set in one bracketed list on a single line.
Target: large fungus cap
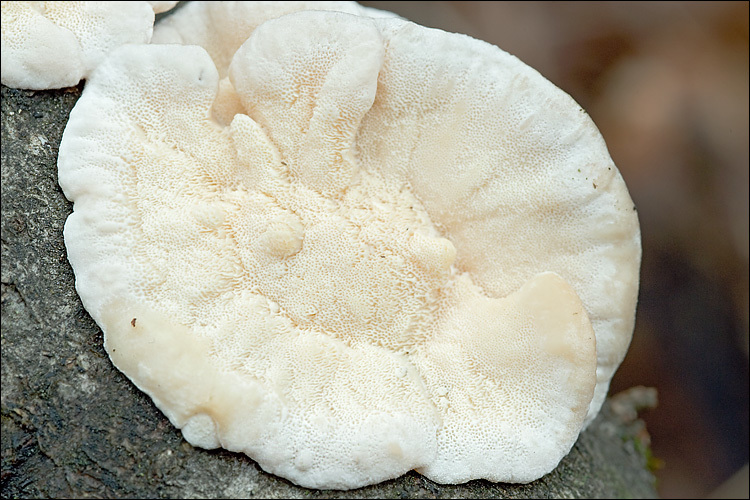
[(407, 251), (50, 45)]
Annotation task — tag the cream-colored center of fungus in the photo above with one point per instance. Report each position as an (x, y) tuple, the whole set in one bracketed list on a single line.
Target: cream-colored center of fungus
[(369, 266), (363, 264)]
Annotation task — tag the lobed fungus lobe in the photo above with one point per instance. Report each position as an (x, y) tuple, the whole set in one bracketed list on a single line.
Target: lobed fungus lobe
[(50, 45), (387, 260)]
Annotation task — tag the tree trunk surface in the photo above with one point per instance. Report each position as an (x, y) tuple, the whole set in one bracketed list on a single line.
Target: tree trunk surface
[(74, 426)]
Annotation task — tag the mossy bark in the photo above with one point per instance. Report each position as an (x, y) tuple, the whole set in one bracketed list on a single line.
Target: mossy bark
[(74, 426)]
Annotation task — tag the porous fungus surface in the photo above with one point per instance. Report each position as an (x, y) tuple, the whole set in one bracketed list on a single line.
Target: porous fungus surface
[(408, 251)]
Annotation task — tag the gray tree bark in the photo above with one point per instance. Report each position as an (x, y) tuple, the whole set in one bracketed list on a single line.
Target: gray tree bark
[(74, 426)]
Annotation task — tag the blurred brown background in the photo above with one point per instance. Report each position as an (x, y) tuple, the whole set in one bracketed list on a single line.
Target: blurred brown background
[(667, 85)]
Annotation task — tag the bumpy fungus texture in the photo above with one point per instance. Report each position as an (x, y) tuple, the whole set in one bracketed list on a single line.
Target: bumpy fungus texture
[(50, 45), (391, 259)]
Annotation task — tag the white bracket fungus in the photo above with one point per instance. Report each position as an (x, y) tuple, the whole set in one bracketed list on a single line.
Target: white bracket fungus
[(50, 45), (408, 251)]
